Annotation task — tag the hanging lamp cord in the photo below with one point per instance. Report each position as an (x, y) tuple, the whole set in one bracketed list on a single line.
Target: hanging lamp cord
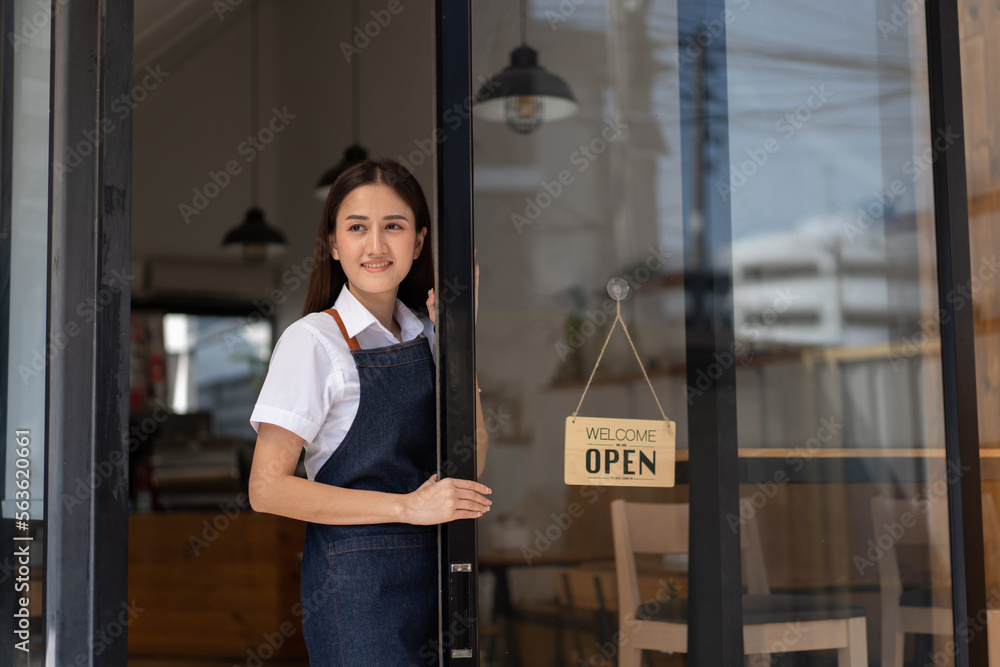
[(524, 24), (355, 85), (253, 94)]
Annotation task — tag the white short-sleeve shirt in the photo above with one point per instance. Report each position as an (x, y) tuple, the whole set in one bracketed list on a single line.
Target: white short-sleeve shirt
[(312, 386)]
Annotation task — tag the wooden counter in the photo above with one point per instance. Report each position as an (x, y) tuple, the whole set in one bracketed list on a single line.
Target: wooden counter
[(211, 585)]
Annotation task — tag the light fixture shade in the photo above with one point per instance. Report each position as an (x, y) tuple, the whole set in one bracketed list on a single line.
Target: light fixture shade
[(524, 94), (254, 234), (352, 155)]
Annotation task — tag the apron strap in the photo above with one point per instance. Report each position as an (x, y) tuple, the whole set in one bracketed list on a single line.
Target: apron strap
[(351, 342)]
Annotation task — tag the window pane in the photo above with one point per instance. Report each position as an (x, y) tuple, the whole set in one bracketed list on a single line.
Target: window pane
[(980, 31), (835, 301), (808, 122), (559, 212), (23, 277)]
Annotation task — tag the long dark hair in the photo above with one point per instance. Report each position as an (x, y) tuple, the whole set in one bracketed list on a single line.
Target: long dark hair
[(327, 277)]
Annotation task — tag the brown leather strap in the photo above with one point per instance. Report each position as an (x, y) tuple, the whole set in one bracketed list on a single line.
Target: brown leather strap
[(351, 342)]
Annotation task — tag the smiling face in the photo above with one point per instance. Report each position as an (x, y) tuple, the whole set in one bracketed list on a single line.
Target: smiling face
[(375, 240)]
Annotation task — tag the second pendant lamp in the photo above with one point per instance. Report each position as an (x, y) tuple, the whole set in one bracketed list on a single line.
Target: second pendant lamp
[(524, 94), (256, 237), (355, 152)]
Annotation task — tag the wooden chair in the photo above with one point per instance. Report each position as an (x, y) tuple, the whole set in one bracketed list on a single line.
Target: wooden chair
[(991, 538), (662, 624), (589, 600), (914, 611)]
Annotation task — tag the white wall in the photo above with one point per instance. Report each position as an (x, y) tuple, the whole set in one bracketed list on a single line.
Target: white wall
[(193, 123)]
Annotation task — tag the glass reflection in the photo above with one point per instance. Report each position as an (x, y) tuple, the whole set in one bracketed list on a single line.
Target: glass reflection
[(780, 145), (979, 27), (835, 309)]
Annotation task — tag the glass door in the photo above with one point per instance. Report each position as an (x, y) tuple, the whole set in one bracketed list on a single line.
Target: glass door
[(835, 263), (766, 178), (584, 182)]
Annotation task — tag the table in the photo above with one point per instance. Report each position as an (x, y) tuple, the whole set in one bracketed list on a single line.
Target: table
[(843, 464), (500, 561)]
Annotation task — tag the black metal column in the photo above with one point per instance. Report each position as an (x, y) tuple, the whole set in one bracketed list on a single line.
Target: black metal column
[(958, 364), (456, 324), (715, 627), (86, 611)]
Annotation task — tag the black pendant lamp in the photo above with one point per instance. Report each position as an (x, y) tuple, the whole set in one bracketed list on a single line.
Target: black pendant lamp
[(355, 152), (254, 234), (524, 94)]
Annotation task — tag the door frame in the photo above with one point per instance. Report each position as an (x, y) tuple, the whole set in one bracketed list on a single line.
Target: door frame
[(458, 639), (958, 360), (87, 380), (85, 607)]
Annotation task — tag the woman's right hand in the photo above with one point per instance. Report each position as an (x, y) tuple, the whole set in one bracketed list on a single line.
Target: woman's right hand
[(446, 500)]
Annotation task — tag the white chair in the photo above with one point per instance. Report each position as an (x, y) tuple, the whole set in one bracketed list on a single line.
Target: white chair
[(661, 625), (913, 611)]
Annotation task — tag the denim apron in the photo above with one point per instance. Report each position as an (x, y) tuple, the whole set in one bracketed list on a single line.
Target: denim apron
[(369, 593)]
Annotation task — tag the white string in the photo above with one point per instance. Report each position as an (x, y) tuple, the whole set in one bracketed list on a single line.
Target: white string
[(618, 318)]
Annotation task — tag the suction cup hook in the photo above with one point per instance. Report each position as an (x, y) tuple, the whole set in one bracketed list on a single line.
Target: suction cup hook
[(618, 289)]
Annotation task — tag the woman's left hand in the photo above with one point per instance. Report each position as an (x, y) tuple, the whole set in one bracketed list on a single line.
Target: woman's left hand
[(432, 300)]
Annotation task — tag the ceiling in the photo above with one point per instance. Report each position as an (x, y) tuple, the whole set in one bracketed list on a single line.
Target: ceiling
[(168, 32)]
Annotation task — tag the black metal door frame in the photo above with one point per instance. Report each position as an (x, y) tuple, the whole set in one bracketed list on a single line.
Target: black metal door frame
[(86, 552), (958, 362), (458, 639)]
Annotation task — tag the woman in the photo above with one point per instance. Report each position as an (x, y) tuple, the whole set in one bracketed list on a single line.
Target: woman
[(354, 386)]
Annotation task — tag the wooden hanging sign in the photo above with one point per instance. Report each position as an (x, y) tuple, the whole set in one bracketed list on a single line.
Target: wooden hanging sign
[(619, 452)]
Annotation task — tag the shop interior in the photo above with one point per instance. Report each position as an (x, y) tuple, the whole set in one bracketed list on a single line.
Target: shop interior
[(838, 379)]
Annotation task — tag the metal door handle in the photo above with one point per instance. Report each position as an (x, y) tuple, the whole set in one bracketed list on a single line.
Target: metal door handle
[(460, 582)]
